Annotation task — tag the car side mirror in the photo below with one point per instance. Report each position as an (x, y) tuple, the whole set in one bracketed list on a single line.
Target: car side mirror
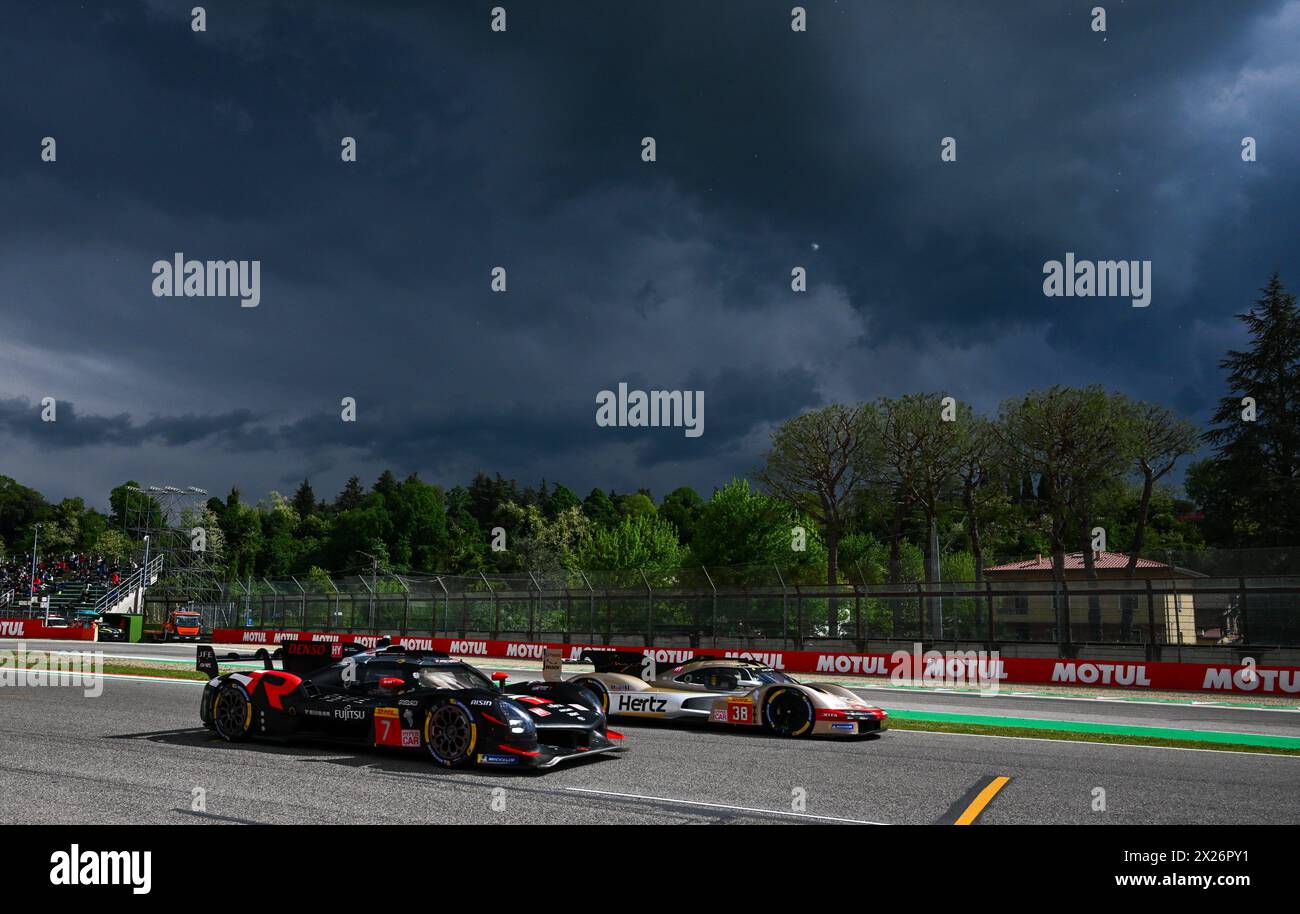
[(392, 683), (500, 679)]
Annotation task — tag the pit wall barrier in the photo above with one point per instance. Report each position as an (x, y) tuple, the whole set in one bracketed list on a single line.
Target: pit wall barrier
[(34, 628), (956, 668)]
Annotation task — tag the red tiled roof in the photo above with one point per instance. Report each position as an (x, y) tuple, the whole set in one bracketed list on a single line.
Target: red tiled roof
[(1074, 562)]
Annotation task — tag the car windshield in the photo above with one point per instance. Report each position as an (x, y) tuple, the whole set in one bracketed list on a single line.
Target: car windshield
[(452, 677)]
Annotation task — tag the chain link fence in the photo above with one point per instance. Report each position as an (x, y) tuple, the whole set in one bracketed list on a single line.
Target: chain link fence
[(759, 607)]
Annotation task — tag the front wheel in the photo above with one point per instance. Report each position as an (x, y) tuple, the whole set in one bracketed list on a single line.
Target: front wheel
[(788, 713), (450, 734), (232, 714)]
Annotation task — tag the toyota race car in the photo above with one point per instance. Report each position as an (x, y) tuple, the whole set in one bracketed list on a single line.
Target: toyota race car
[(724, 690), (390, 696)]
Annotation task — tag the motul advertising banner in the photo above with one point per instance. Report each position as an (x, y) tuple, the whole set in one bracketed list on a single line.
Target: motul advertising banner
[(34, 628), (940, 668)]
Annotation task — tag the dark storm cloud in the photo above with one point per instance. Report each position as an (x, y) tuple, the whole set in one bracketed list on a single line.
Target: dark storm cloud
[(66, 428), (477, 150)]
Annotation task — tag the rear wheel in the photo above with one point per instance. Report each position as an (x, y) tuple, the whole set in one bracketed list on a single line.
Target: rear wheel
[(450, 734), (788, 713), (232, 713)]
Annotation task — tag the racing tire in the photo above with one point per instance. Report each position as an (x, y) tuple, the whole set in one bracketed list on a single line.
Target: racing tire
[(788, 712), (232, 714), (596, 688), (450, 734)]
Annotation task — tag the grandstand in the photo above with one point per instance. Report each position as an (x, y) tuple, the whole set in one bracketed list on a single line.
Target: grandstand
[(65, 586)]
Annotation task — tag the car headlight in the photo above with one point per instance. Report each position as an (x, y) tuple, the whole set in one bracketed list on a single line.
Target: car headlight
[(518, 720)]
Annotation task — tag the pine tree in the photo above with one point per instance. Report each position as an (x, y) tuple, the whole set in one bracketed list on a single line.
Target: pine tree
[(1257, 460), (304, 500), (351, 496)]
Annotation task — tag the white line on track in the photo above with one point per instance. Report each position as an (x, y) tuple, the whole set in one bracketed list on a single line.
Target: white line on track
[(767, 812), (1199, 705)]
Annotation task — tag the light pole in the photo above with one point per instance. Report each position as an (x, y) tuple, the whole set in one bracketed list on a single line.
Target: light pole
[(31, 593)]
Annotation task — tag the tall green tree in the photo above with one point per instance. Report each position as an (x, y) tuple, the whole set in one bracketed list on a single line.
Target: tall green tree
[(638, 544), (304, 500), (1256, 433), (1078, 442), (681, 508), (814, 465)]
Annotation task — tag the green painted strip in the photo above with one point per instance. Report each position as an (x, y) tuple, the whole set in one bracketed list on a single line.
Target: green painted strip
[(1074, 726)]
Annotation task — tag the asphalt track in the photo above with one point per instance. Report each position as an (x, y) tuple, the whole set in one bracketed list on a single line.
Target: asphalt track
[(136, 753)]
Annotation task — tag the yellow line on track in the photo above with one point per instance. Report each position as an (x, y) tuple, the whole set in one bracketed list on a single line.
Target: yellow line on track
[(985, 797)]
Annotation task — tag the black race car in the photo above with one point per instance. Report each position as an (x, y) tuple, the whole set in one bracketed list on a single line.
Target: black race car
[(390, 696)]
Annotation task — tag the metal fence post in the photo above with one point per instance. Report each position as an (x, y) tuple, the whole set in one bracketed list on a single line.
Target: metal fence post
[(860, 625), (303, 596), (714, 624), (785, 612), (1243, 623), (798, 620), (920, 613), (532, 620), (591, 597), (568, 611), (649, 610), (992, 631), (496, 607), (446, 609), (1067, 649)]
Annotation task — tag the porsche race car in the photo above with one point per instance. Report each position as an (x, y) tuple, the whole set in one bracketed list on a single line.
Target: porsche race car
[(389, 696), (725, 690)]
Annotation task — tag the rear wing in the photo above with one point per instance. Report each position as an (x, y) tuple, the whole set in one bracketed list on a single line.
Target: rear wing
[(303, 657), (630, 663), (206, 659), (298, 657)]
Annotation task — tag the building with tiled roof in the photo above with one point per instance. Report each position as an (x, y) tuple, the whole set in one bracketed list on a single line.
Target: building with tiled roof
[(1115, 617)]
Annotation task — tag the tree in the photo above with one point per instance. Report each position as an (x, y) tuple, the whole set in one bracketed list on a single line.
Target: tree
[(890, 470), (561, 499), (635, 504), (1257, 441), (739, 526), (814, 465), (351, 496), (681, 508), (638, 544), (545, 545), (1159, 440), (599, 508), (1076, 440), (978, 459), (304, 500)]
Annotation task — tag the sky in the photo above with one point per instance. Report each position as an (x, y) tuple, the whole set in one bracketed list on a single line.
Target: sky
[(522, 149)]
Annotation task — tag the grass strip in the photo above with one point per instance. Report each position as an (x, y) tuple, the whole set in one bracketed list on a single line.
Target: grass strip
[(1078, 731)]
